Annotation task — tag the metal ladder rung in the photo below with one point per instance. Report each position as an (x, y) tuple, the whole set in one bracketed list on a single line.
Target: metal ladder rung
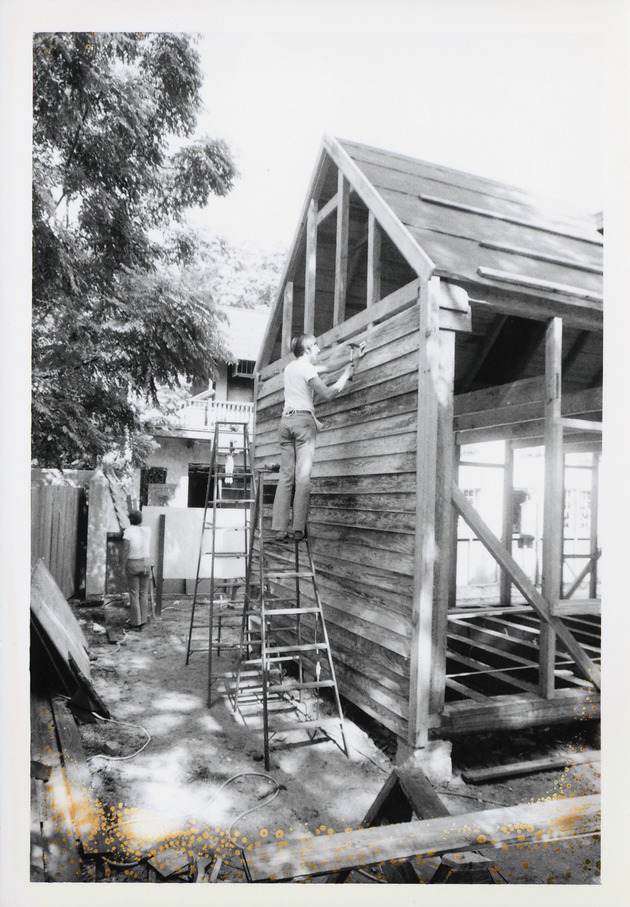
[(309, 647), (304, 685), (272, 612), (298, 725)]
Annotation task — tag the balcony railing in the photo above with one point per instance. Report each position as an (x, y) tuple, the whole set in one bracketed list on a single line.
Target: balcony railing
[(201, 415)]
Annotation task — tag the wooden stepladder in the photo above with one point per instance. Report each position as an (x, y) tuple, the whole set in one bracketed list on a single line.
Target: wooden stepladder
[(285, 655), (224, 542)]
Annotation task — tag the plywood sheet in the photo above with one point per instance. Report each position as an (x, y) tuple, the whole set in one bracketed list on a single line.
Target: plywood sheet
[(57, 620)]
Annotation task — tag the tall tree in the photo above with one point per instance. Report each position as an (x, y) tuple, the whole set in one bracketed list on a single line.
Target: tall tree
[(114, 165)]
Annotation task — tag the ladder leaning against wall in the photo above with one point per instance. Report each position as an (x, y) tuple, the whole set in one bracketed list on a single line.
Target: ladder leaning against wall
[(285, 656), (224, 543)]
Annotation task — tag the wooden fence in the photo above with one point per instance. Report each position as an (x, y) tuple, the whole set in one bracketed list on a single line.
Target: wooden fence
[(57, 513)]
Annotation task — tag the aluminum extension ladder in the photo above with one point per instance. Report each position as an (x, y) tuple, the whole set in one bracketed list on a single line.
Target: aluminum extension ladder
[(224, 541), (285, 653)]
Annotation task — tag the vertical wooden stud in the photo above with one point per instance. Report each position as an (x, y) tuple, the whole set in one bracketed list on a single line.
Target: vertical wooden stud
[(341, 255), (553, 516), (508, 518), (452, 585), (311, 268), (287, 318), (425, 542), (160, 564), (594, 527), (374, 261), (445, 519)]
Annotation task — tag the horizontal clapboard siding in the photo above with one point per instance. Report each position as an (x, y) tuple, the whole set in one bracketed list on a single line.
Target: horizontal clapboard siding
[(362, 515)]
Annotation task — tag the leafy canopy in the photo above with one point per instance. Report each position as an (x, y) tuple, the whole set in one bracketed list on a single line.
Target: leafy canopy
[(115, 167)]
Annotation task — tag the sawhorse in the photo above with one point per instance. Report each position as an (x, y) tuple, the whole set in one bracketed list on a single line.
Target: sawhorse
[(408, 793)]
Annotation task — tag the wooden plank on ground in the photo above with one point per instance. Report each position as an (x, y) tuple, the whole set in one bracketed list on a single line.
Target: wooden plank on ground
[(514, 769), (86, 810), (54, 851), (549, 821), (56, 618)]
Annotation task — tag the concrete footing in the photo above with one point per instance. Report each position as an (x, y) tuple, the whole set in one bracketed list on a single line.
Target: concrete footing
[(434, 759)]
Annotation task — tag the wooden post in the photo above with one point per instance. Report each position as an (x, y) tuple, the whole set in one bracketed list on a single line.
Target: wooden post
[(341, 253), (592, 589), (452, 589), (311, 268), (552, 517), (445, 519), (508, 518), (374, 261), (160, 563), (287, 318), (425, 541)]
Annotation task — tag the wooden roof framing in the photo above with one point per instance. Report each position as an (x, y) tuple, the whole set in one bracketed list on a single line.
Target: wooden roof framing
[(378, 220)]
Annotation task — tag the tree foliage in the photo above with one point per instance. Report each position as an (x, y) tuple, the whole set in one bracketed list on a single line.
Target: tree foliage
[(115, 165)]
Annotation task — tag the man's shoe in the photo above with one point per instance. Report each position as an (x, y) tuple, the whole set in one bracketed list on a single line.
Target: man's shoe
[(299, 536), (280, 536)]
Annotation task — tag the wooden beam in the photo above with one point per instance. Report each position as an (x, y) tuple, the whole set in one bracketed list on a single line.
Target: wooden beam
[(529, 303), (492, 407), (588, 568), (311, 268), (524, 584), (500, 395), (581, 425), (505, 593), (553, 500), (160, 564), (524, 710), (522, 280), (594, 521), (397, 232), (327, 209), (425, 530), (445, 519), (287, 318), (374, 261), (525, 823), (341, 251)]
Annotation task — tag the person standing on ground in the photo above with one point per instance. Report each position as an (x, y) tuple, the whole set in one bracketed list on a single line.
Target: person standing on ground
[(136, 553), (298, 429)]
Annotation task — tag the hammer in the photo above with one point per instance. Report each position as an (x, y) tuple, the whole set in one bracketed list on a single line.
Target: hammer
[(359, 350)]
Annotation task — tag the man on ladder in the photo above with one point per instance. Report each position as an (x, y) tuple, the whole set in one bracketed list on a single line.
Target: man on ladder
[(298, 427)]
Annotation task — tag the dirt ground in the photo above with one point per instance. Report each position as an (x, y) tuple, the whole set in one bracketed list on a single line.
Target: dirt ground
[(179, 778)]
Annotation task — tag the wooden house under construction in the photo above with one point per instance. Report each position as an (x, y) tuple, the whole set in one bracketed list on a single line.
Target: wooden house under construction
[(482, 312)]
